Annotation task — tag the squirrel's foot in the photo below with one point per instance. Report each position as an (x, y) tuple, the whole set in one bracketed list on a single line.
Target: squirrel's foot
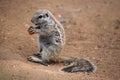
[(37, 60)]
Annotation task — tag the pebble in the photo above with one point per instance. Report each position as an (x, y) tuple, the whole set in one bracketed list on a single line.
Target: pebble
[(88, 7), (77, 10), (62, 21), (62, 6), (33, 39), (26, 25), (61, 16), (13, 66), (96, 47)]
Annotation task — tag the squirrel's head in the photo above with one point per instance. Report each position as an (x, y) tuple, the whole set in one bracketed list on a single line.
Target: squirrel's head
[(40, 17)]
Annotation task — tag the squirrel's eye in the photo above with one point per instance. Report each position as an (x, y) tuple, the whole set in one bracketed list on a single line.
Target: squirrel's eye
[(40, 16), (47, 15)]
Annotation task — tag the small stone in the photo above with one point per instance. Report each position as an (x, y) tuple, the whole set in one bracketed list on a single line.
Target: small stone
[(96, 47), (62, 21), (61, 16), (26, 25), (62, 6), (13, 66), (77, 10), (88, 7), (33, 39), (99, 46)]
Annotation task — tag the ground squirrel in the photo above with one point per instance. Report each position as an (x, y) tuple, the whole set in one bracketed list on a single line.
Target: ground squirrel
[(51, 40)]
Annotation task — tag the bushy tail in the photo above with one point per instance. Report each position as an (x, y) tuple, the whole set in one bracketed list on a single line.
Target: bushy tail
[(79, 65)]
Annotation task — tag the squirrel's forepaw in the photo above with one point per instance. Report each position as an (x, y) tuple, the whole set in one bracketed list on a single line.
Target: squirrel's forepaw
[(31, 30), (30, 58)]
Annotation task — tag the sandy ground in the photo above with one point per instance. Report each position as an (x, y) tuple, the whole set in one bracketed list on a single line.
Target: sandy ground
[(92, 33)]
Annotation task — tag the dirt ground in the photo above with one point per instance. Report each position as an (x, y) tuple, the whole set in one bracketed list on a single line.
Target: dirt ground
[(92, 30)]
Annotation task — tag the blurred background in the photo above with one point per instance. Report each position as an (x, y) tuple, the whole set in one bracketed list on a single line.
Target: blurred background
[(92, 30)]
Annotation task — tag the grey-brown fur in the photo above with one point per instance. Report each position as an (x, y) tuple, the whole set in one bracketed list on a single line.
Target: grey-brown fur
[(51, 41)]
